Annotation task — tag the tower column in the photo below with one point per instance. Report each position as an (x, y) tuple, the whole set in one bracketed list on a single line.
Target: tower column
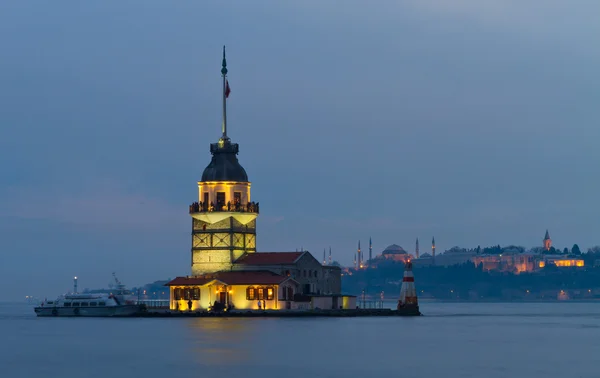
[(223, 217)]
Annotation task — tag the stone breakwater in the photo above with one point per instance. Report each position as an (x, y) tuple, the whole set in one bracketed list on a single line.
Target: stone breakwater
[(281, 314)]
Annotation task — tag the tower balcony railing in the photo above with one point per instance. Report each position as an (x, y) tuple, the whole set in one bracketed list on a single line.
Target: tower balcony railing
[(200, 207)]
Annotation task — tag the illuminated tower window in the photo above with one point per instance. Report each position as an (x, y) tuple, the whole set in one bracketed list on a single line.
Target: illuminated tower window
[(220, 200)]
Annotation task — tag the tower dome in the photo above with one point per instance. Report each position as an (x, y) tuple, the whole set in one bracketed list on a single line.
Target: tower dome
[(224, 165)]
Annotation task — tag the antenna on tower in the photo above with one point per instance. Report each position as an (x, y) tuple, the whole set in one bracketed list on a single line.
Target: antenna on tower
[(226, 91)]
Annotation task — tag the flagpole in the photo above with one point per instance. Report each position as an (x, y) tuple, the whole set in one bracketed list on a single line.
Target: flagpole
[(224, 74)]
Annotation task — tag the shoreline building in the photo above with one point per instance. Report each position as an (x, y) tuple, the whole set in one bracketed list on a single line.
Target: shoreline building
[(227, 271)]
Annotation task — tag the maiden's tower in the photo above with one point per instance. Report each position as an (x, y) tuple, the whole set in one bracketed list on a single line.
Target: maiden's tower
[(226, 269)]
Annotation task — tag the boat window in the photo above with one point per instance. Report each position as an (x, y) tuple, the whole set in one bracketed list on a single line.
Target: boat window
[(75, 304), (50, 302), (84, 304), (67, 304), (93, 304), (101, 303)]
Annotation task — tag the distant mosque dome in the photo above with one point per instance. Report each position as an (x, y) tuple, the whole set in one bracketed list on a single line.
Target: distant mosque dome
[(393, 249)]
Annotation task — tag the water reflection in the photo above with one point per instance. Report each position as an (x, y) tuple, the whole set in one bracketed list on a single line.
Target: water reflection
[(222, 341)]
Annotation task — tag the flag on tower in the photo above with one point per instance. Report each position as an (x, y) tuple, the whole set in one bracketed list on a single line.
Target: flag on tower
[(227, 89)]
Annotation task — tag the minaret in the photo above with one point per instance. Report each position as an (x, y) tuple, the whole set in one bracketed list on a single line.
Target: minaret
[(547, 241), (355, 265), (433, 248), (417, 248), (360, 258), (224, 217), (370, 250), (324, 259), (330, 256)]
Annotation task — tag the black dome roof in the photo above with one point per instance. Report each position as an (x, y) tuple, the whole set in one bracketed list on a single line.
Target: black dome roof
[(224, 165)]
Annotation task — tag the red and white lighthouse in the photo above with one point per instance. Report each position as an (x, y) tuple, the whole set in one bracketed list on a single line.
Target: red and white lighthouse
[(408, 293)]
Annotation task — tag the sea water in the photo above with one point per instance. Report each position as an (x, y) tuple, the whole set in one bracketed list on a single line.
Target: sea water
[(533, 340)]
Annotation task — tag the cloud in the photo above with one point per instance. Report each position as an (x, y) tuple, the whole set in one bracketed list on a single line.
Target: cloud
[(104, 202), (374, 223), (559, 20), (272, 219)]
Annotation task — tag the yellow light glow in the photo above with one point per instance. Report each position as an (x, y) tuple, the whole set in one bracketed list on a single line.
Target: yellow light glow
[(568, 263), (542, 264)]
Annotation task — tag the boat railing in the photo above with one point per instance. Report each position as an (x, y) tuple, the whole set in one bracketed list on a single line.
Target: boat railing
[(155, 303), (85, 296)]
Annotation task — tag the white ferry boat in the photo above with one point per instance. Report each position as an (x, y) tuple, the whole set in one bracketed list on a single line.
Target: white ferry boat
[(98, 305)]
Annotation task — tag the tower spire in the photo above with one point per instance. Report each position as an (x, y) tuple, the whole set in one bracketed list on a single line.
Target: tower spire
[(370, 251), (417, 248), (226, 91), (359, 254), (330, 256), (547, 241)]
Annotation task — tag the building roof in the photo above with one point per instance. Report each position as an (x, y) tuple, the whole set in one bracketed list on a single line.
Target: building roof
[(232, 278), (224, 165), (196, 281), (269, 258)]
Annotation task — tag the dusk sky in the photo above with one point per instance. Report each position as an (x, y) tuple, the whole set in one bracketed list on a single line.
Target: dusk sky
[(473, 121)]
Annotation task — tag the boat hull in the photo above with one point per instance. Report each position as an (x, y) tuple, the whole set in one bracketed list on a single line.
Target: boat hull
[(108, 311)]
